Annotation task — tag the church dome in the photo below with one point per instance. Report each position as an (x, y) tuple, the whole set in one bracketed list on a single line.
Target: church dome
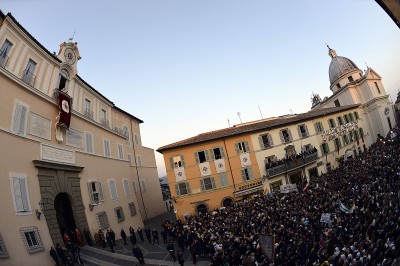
[(339, 66)]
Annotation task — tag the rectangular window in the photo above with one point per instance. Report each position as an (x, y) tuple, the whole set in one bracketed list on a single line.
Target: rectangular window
[(136, 137), (139, 160), (337, 103), (95, 192), (266, 141), (351, 136), (356, 115), (120, 152), (31, 238), (337, 143), (28, 74), (332, 123), (88, 109), (89, 142), (119, 214), (351, 117), (19, 118), (127, 188), (223, 180), (130, 158), (113, 189), (247, 174), (63, 80), (319, 128), (103, 118), (377, 87), (144, 188), (242, 147), (182, 188), (325, 148), (285, 135), (20, 194), (135, 188), (132, 208), (217, 153), (201, 156), (351, 79), (303, 131), (338, 85), (177, 161), (346, 140), (107, 151), (340, 120), (276, 186), (102, 220), (207, 183), (4, 52)]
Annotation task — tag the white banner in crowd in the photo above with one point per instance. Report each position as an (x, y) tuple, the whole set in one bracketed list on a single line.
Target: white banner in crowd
[(288, 188), (326, 218), (180, 174), (220, 165), (245, 159), (205, 169)]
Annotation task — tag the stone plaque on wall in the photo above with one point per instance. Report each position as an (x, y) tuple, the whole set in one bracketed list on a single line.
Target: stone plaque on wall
[(55, 154), (74, 138), (39, 126)]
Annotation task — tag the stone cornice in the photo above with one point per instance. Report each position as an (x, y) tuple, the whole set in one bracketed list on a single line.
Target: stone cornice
[(57, 166)]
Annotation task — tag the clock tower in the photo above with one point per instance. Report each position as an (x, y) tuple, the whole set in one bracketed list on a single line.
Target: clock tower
[(69, 55)]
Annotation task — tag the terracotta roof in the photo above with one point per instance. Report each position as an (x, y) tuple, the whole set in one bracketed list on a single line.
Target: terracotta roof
[(260, 125)]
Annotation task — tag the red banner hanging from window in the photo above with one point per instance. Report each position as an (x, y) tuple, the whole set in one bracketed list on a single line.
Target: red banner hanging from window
[(65, 106)]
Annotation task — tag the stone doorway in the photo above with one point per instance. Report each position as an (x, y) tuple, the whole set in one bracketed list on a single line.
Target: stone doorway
[(60, 182), (64, 213), (202, 208), (296, 178)]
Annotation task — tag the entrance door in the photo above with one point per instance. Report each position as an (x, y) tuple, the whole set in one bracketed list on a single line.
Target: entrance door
[(296, 178), (64, 213), (228, 202), (202, 208), (313, 173)]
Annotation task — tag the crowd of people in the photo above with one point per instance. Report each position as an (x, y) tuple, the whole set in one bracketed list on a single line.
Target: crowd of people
[(290, 158), (362, 200)]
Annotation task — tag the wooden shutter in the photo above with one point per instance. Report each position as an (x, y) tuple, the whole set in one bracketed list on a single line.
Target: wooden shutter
[(19, 123), (171, 162), (221, 150), (113, 189), (212, 154), (19, 204), (250, 171), (299, 131), (182, 161), (271, 143), (290, 135), (246, 145), (306, 129), (237, 148), (127, 188), (281, 136), (244, 175), (202, 185), (196, 157), (212, 181), (101, 193), (89, 184), (206, 154), (260, 139), (177, 190), (187, 187)]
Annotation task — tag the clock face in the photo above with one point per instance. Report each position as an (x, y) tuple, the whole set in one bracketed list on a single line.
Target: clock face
[(69, 56)]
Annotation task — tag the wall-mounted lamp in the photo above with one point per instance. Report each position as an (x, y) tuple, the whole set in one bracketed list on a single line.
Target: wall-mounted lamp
[(39, 213), (91, 206)]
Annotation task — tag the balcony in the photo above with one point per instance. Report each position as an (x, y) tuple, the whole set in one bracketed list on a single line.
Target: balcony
[(28, 77), (105, 123), (88, 113), (286, 166), (249, 187)]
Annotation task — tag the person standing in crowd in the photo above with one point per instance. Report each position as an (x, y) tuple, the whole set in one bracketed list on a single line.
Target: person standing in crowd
[(154, 233), (138, 254), (140, 233), (109, 241), (171, 250), (148, 234), (61, 254), (164, 235), (88, 239), (179, 255), (123, 236), (112, 235), (102, 238), (53, 254), (133, 237)]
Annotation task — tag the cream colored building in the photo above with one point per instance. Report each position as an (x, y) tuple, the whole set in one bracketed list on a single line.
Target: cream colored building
[(350, 85), (95, 175)]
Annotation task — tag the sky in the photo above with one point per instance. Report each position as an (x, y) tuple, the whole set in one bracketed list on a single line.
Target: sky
[(186, 67)]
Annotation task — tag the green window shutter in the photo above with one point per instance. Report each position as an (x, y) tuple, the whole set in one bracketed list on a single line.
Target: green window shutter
[(212, 182), (182, 161), (356, 115), (237, 148), (290, 135), (316, 127), (244, 175), (281, 136), (260, 139), (306, 129), (178, 192), (246, 145), (187, 187), (361, 132), (251, 176), (206, 154), (221, 150), (171, 162), (89, 184), (271, 143), (203, 187), (101, 193), (212, 154), (196, 157)]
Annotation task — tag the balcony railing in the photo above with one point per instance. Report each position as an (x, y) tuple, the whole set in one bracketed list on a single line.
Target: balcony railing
[(88, 113), (28, 77), (303, 135), (3, 59), (289, 165), (105, 123)]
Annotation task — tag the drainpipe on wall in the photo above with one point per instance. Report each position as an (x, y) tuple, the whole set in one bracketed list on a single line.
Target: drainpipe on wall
[(229, 162)]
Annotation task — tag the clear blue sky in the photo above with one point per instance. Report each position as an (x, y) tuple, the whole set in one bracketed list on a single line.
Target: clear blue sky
[(185, 67)]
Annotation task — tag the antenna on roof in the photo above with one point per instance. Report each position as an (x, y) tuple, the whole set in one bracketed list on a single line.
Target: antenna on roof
[(238, 113), (366, 65), (260, 112), (291, 111), (229, 124), (70, 39)]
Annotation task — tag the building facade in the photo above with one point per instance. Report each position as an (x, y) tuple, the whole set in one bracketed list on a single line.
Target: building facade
[(70, 157), (216, 169)]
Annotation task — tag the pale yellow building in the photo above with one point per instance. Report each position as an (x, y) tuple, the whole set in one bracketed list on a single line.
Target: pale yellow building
[(70, 158)]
